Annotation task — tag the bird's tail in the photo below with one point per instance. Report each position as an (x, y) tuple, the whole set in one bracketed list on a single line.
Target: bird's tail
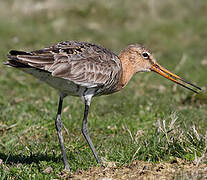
[(14, 61)]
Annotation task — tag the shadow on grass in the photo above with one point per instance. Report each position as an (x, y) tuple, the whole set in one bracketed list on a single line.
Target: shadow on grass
[(34, 158)]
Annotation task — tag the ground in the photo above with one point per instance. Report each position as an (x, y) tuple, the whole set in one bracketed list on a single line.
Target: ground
[(152, 129), (143, 170)]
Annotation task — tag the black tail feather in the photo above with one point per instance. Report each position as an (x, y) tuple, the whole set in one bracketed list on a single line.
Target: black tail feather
[(14, 61), (15, 53), (16, 64)]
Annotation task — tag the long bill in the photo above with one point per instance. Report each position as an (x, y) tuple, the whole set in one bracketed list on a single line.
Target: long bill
[(173, 77)]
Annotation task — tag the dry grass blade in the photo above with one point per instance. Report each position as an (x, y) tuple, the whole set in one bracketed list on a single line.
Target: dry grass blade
[(6, 127)]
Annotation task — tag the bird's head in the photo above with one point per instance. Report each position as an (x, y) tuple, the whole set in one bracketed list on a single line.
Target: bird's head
[(140, 59)]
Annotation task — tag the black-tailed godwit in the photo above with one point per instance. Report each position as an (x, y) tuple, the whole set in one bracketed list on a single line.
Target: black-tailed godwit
[(87, 70)]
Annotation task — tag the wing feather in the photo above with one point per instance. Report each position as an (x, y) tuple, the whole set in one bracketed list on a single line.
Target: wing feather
[(80, 62)]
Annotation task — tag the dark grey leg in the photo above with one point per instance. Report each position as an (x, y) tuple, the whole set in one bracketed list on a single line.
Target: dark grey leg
[(58, 125), (85, 130)]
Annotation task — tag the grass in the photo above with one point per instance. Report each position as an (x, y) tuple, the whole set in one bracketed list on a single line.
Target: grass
[(151, 120)]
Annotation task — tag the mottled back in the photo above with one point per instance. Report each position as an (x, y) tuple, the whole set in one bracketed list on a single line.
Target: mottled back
[(83, 63)]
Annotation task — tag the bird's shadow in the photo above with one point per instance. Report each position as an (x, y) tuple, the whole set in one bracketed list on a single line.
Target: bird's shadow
[(23, 159)]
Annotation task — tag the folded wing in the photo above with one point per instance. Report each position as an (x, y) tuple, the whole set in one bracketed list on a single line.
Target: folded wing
[(82, 63)]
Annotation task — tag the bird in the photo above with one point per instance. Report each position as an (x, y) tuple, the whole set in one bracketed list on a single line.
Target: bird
[(86, 70)]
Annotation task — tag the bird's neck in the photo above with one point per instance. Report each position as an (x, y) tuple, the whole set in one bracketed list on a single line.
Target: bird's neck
[(127, 71)]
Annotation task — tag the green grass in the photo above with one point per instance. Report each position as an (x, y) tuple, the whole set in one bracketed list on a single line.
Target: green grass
[(124, 126)]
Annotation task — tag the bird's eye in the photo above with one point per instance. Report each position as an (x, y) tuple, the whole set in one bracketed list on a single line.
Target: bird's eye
[(145, 55)]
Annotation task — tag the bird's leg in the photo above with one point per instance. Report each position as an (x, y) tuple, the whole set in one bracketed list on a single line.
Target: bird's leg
[(58, 125), (85, 129)]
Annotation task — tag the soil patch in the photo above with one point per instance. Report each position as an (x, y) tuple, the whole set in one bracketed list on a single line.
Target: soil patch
[(177, 169)]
